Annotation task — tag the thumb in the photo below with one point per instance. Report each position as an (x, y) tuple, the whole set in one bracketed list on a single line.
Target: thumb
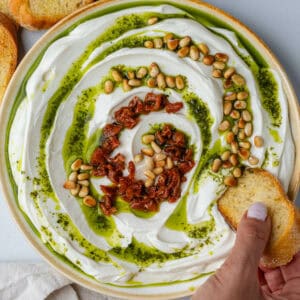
[(252, 237)]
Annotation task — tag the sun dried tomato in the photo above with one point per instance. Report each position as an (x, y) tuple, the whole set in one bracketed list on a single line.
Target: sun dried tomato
[(110, 143), (175, 152), (112, 129), (126, 117), (136, 105), (98, 157), (178, 138), (144, 205), (154, 102), (131, 170), (186, 166), (188, 155), (114, 175), (109, 190), (166, 131), (118, 162), (173, 107)]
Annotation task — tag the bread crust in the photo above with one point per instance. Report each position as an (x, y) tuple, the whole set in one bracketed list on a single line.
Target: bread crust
[(8, 51), (281, 250), (21, 11)]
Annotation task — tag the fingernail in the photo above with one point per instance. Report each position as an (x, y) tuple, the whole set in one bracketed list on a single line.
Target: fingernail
[(257, 211)]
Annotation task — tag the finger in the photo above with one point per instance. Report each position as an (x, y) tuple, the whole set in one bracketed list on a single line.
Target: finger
[(274, 280), (292, 269), (261, 277)]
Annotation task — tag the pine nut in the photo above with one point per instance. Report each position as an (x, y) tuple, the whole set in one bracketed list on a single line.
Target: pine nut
[(227, 83), (242, 95), (238, 79), (248, 129), (75, 166), (224, 125), (217, 73), (149, 164), (161, 82), (235, 129), (151, 82), (84, 182), (74, 192), (108, 86), (149, 44), (148, 138), (229, 72), (203, 48), (168, 36), (155, 147), (147, 151), (245, 145), (135, 82), (138, 158), (158, 43), (230, 181), (169, 163), (253, 160), (148, 182), (235, 114), (69, 185), (83, 176), (179, 82), (216, 165), (234, 159), (242, 134), (116, 75), (258, 141), (239, 104), (244, 153), (226, 164), (73, 176), (172, 44), (89, 201), (149, 174), (126, 86), (130, 75), (158, 170), (246, 116), (229, 137), (160, 163), (227, 107), (230, 97), (152, 20), (237, 172), (225, 155), (160, 156), (141, 73), (234, 147), (183, 52), (219, 65), (221, 57), (154, 70), (208, 60), (185, 41), (194, 53), (241, 123), (84, 191), (86, 167), (170, 81)]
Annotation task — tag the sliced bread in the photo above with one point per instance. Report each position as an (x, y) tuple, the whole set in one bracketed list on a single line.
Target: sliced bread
[(8, 51), (40, 14), (259, 185)]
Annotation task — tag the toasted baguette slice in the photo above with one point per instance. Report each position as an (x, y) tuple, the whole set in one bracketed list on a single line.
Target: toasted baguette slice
[(259, 185), (4, 8), (8, 52), (41, 14)]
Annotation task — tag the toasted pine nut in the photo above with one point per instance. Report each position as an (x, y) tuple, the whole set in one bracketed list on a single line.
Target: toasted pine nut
[(84, 191), (86, 167), (135, 82), (76, 164), (183, 52), (168, 36), (246, 115), (221, 57), (248, 129), (237, 172), (216, 165), (155, 147), (185, 41), (84, 182), (229, 72), (130, 75), (73, 176), (203, 48), (172, 44), (158, 43), (154, 70), (141, 73), (230, 181), (151, 82), (69, 185), (160, 156), (226, 164), (229, 137), (75, 191), (219, 65), (169, 163), (238, 79), (241, 123), (225, 155), (149, 44), (148, 182), (234, 147), (224, 125), (148, 138), (235, 114), (242, 95), (245, 145), (234, 159), (161, 82), (152, 20), (108, 86), (227, 107), (116, 75), (258, 141), (240, 104), (217, 73), (149, 174), (149, 164), (83, 176), (138, 158), (244, 153), (235, 129), (89, 201), (160, 163), (170, 81), (126, 86), (147, 151), (227, 83), (242, 134), (179, 82), (253, 160), (230, 97), (194, 53), (208, 60), (158, 170)]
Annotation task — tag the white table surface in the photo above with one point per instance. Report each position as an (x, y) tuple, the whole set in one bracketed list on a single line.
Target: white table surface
[(277, 22)]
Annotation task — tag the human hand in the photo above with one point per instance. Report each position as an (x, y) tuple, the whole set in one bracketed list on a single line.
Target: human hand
[(241, 278)]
